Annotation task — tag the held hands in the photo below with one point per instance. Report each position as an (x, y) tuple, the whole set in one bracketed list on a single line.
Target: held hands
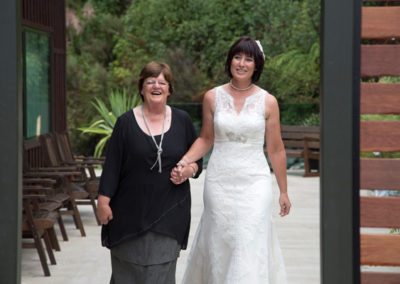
[(182, 172), (285, 204), (177, 176)]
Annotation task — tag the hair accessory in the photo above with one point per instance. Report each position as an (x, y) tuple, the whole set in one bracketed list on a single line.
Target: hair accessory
[(261, 48)]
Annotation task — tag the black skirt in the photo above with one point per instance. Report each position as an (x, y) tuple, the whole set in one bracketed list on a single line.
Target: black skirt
[(150, 258)]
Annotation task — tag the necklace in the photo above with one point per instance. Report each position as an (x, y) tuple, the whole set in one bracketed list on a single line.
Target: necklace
[(239, 89), (158, 146)]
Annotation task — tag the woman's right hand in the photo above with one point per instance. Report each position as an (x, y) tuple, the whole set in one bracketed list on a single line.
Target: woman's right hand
[(104, 212)]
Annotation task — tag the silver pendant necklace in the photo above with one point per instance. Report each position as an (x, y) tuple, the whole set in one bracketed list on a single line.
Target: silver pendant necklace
[(239, 89), (158, 146)]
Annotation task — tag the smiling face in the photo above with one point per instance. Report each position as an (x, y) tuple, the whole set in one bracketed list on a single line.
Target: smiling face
[(242, 67), (155, 89), (247, 47), (155, 80)]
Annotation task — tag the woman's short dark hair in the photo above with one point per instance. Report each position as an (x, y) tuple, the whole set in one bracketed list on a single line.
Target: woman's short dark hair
[(248, 46), (154, 69)]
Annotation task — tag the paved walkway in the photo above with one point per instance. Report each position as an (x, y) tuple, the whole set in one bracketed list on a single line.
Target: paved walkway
[(83, 260)]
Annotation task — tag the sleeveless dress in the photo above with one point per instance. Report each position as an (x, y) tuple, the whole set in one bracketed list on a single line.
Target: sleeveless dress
[(235, 240)]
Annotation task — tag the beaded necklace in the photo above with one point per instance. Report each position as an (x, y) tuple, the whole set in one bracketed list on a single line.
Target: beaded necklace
[(239, 89)]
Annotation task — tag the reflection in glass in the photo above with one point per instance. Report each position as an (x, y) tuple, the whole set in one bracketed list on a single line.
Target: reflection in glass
[(36, 83)]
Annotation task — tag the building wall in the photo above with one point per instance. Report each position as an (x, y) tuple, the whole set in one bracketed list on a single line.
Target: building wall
[(49, 16)]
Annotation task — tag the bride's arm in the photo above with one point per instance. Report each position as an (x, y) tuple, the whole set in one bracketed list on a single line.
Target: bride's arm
[(204, 142), (276, 151)]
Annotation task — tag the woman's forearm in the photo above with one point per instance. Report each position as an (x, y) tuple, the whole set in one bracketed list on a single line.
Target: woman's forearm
[(278, 161), (199, 148)]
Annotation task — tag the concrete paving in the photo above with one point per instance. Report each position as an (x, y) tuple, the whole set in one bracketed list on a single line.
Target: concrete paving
[(82, 259)]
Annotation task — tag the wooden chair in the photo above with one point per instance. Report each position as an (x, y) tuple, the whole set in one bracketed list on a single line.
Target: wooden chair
[(380, 57), (88, 163), (81, 182), (68, 158), (42, 208), (52, 202), (34, 168), (37, 227)]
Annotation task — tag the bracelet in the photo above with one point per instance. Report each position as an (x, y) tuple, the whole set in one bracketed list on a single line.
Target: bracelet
[(182, 163), (194, 171)]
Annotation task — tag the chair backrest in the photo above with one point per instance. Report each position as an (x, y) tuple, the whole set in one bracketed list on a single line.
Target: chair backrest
[(32, 154), (50, 152), (64, 146)]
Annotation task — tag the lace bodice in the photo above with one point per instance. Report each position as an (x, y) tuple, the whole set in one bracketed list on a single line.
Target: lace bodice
[(246, 126), (239, 136)]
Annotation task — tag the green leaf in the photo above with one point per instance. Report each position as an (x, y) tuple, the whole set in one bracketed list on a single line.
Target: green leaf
[(120, 102), (100, 146)]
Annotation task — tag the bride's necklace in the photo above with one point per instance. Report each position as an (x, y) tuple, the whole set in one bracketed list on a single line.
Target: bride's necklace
[(158, 146), (239, 89)]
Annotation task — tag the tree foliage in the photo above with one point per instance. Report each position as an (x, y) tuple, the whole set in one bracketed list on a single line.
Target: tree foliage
[(115, 38)]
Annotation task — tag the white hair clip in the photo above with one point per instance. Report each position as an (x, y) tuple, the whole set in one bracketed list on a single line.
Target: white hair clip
[(261, 48)]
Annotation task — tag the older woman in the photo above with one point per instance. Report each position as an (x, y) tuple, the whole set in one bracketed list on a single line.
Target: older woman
[(145, 213), (235, 241)]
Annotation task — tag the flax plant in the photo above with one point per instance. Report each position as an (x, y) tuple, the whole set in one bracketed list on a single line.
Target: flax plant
[(119, 102)]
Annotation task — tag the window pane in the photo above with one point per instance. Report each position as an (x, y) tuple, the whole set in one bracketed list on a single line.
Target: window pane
[(36, 83)]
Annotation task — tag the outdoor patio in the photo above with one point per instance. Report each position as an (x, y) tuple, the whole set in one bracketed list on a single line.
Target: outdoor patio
[(83, 260)]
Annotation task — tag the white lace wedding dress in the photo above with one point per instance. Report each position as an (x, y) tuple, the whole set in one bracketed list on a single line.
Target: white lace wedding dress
[(235, 241)]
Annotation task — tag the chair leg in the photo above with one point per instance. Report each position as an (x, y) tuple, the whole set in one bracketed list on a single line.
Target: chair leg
[(92, 187), (53, 239), (49, 248), (308, 167), (77, 218), (73, 210), (307, 170), (94, 206), (62, 228), (42, 256)]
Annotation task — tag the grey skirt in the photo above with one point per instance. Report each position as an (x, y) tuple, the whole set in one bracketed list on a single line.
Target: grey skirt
[(149, 259)]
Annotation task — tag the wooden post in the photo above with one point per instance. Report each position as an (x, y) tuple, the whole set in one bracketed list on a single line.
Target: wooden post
[(340, 79), (11, 141)]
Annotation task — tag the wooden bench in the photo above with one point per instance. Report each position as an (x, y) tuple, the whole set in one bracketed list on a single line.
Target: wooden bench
[(303, 142)]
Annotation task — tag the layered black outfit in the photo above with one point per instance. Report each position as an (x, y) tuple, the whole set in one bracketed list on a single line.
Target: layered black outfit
[(143, 200)]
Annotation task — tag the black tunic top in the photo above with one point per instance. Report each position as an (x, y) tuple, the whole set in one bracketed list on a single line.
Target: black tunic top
[(143, 199)]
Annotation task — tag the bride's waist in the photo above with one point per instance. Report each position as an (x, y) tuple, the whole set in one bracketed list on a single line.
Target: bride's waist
[(246, 145), (239, 154)]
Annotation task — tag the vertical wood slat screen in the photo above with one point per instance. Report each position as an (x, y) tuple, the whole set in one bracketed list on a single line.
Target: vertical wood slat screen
[(381, 25)]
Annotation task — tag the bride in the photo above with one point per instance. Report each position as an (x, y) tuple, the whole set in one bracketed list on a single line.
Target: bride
[(235, 241)]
